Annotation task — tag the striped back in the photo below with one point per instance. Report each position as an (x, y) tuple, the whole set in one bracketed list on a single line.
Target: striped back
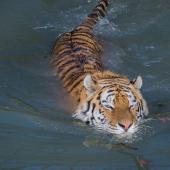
[(77, 53)]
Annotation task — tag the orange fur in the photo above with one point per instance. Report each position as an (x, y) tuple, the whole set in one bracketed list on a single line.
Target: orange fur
[(77, 54)]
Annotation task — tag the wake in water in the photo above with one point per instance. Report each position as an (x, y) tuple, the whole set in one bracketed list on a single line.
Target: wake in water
[(114, 141)]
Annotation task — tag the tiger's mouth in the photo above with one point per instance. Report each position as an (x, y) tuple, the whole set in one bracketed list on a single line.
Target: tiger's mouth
[(125, 131), (136, 130), (117, 129), (103, 125)]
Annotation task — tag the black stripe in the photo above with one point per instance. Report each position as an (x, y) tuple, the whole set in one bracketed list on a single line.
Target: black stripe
[(81, 48), (106, 105), (109, 96), (60, 56), (83, 27), (77, 49), (83, 38), (78, 100), (102, 6), (99, 96), (100, 111), (139, 109), (88, 107), (93, 15), (65, 64), (104, 101), (130, 107), (75, 85), (90, 36), (62, 60), (101, 11), (106, 2), (85, 41), (141, 104), (72, 78), (68, 71), (139, 116), (125, 90), (93, 108), (110, 91), (87, 44), (95, 60)]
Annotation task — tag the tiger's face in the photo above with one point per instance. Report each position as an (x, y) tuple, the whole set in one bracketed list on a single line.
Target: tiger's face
[(114, 105)]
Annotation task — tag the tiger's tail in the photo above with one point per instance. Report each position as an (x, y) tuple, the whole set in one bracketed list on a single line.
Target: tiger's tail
[(98, 12)]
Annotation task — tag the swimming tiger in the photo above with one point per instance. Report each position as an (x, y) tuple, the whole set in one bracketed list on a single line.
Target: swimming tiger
[(105, 99)]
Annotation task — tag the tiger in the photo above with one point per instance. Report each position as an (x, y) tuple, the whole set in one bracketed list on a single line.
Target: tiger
[(106, 100)]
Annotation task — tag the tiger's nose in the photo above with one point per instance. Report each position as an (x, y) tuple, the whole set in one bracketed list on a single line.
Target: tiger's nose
[(125, 125)]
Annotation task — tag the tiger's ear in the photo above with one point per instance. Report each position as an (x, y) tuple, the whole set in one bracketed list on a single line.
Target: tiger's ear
[(89, 84), (137, 82)]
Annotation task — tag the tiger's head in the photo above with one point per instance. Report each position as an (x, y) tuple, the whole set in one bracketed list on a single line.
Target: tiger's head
[(112, 102)]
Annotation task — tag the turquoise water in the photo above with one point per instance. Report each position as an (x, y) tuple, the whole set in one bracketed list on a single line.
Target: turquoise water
[(36, 129)]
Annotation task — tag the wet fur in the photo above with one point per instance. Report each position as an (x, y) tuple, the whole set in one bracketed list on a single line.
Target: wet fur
[(105, 99)]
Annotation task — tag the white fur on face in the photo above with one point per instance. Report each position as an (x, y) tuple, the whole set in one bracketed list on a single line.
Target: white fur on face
[(107, 100), (141, 106), (88, 112)]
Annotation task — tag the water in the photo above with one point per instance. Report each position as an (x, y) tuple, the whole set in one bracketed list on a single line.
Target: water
[(36, 129)]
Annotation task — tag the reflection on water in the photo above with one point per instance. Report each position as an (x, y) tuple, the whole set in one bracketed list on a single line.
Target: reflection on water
[(36, 129)]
